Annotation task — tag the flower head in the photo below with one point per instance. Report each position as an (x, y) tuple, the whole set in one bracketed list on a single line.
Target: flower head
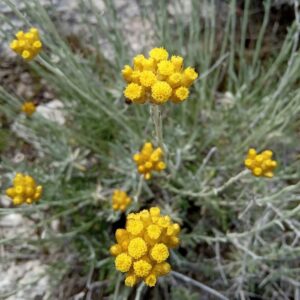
[(260, 164), (159, 54), (134, 92), (27, 44), (157, 79), (148, 160), (177, 62), (161, 92), (28, 108), (189, 76), (165, 68), (24, 190), (147, 249), (120, 200), (147, 78), (180, 94)]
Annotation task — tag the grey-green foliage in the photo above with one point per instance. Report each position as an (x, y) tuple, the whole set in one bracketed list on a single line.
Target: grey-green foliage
[(240, 234)]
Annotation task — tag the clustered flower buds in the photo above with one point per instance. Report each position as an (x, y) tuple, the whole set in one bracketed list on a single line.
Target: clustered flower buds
[(158, 79), (260, 164), (143, 247), (24, 190), (27, 44), (120, 200), (148, 160), (28, 108)]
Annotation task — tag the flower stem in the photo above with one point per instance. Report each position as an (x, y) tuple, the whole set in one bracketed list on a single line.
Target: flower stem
[(198, 284), (155, 113), (215, 191), (139, 189)]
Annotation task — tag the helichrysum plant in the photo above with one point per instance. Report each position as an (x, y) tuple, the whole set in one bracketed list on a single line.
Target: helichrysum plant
[(143, 247), (24, 190), (27, 44), (120, 200), (203, 140), (28, 108), (149, 160), (158, 79), (261, 164)]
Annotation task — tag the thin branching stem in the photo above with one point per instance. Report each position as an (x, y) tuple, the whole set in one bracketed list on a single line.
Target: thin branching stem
[(199, 285)]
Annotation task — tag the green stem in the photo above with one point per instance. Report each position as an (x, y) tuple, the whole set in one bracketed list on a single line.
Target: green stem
[(139, 189), (155, 113)]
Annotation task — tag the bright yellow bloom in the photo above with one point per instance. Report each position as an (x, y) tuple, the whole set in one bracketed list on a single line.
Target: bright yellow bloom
[(177, 61), (28, 108), (28, 44), (260, 164), (115, 249), (154, 231), (127, 72), (148, 160), (157, 79), (151, 280), (161, 92), (130, 279), (135, 76), (142, 268), (162, 268), (159, 54), (138, 62), (175, 79), (134, 227), (149, 64), (120, 200), (165, 68), (189, 76), (147, 79), (180, 94), (159, 252), (24, 190), (123, 262), (134, 92), (137, 248), (148, 236)]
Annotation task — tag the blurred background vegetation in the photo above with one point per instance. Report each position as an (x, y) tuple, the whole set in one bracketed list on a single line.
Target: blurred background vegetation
[(240, 235)]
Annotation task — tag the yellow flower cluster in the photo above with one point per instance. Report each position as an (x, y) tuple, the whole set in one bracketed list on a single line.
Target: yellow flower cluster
[(143, 247), (28, 108), (24, 190), (27, 44), (158, 79), (260, 164), (120, 200), (149, 160)]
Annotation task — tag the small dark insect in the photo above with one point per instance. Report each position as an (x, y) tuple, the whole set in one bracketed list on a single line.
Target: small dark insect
[(127, 101)]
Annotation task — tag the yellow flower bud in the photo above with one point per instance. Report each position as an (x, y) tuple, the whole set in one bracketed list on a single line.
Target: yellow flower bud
[(120, 200), (130, 280), (150, 280), (115, 249)]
